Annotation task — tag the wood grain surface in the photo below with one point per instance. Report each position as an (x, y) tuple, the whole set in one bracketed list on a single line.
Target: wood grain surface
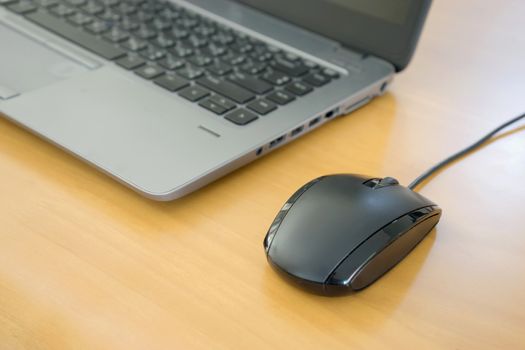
[(85, 263)]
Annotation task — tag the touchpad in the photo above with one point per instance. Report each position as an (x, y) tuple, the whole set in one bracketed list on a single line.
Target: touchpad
[(27, 64)]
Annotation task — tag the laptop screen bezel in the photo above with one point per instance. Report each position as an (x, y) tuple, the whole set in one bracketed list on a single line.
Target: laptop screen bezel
[(394, 42)]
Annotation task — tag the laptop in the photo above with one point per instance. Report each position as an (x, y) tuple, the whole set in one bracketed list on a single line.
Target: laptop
[(166, 96)]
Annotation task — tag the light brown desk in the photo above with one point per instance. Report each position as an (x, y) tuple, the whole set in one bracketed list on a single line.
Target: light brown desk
[(87, 264)]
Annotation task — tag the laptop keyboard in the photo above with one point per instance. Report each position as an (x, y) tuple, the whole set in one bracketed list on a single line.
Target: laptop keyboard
[(220, 69)]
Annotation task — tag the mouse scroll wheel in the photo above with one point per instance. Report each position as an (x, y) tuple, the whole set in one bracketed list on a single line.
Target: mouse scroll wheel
[(379, 183)]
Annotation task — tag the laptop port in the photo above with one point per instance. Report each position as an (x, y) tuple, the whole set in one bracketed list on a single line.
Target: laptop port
[(314, 121), (259, 151), (329, 114), (276, 141), (383, 87), (297, 131)]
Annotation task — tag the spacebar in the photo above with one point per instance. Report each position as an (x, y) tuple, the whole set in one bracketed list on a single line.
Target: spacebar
[(69, 32)]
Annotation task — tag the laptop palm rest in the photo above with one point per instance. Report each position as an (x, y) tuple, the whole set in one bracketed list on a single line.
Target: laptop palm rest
[(28, 64)]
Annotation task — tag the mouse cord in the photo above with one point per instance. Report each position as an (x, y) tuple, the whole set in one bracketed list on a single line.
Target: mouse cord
[(461, 153)]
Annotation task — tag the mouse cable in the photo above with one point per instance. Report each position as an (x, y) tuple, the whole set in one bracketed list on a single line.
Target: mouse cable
[(461, 153)]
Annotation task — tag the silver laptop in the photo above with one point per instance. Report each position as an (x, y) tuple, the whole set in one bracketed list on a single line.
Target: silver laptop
[(167, 96)]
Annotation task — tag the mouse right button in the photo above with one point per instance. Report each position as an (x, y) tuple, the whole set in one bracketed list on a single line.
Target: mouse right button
[(381, 251), (403, 239), (345, 272)]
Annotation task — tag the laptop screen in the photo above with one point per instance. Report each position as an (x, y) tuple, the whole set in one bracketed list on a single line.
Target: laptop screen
[(384, 28)]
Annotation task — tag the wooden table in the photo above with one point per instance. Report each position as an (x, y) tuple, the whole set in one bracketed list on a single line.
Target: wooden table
[(86, 263)]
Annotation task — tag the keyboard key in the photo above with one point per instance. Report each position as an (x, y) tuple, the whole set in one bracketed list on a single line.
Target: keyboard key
[(291, 57), (79, 19), (242, 47), (276, 78), (225, 88), (194, 93), (93, 8), (201, 60), (188, 21), (148, 6), (316, 79), (233, 59), (152, 53), (294, 69), (134, 44), (262, 106), (70, 32), (143, 16), (219, 68), (281, 97), (241, 116), (110, 15), (205, 30), (97, 27), (223, 102), (171, 82), (145, 32), (128, 23), (62, 10), (261, 56), (182, 50), (116, 35), (130, 62), (160, 24), (215, 50), (190, 72), (223, 38), (331, 73), (179, 33), (126, 8), (169, 13), (163, 40), (149, 71), (273, 49), (253, 68), (7, 2), (212, 106), (251, 83), (196, 41), (299, 88), (171, 62), (310, 64)]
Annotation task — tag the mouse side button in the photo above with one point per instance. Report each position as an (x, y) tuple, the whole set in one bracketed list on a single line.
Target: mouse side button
[(339, 280), (382, 251), (395, 251), (282, 213)]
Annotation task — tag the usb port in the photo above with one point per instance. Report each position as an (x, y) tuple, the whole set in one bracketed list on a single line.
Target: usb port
[(276, 141), (314, 121), (296, 131)]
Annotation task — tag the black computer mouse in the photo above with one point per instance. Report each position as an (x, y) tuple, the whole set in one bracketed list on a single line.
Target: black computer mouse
[(340, 233)]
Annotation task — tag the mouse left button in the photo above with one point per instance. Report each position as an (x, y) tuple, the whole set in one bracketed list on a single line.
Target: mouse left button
[(282, 213)]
